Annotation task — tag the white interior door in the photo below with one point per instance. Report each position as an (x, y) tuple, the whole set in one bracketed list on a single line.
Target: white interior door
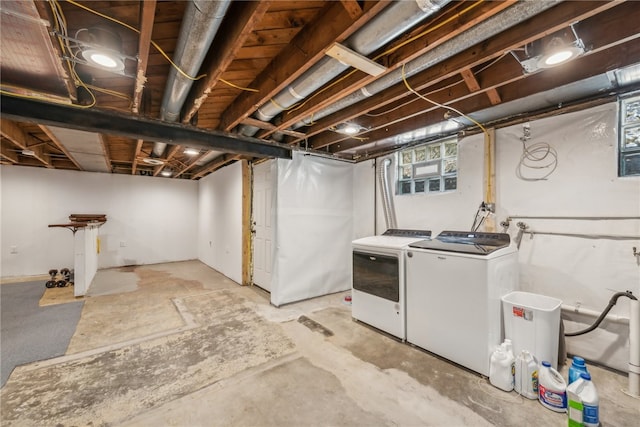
[(262, 231)]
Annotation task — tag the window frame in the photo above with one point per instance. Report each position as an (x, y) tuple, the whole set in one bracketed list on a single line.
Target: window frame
[(625, 152), (419, 182)]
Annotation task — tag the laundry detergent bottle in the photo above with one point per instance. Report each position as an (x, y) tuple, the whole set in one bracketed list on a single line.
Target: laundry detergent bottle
[(526, 378), (583, 405), (577, 368), (552, 388), (501, 368)]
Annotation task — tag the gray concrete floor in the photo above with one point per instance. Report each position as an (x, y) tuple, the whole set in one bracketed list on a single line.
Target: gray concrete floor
[(179, 344)]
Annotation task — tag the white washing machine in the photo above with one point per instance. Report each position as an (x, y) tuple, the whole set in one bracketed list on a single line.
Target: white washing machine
[(455, 283), (378, 282)]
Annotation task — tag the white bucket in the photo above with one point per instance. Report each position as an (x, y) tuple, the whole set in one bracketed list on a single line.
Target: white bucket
[(532, 323)]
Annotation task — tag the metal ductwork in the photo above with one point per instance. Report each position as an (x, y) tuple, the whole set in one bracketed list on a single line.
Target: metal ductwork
[(393, 22), (515, 14), (199, 26), (387, 194)]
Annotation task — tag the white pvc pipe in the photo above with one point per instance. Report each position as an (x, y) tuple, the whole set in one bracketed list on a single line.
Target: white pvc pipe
[(591, 313), (634, 348)]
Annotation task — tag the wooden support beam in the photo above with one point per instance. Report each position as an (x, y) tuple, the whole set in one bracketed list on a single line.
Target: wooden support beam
[(16, 135), (490, 176), (420, 41), (170, 155), (352, 7), (470, 80), (216, 164), (148, 10), (218, 60), (547, 22), (474, 86), (494, 96), (247, 235), (594, 63), (10, 155), (192, 164), (333, 25), (134, 164), (270, 126)]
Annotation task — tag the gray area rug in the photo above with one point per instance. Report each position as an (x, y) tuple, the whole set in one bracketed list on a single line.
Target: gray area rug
[(29, 333)]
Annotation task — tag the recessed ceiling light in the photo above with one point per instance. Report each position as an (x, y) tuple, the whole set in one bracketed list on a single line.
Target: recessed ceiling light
[(103, 49), (559, 53), (153, 161), (349, 128)]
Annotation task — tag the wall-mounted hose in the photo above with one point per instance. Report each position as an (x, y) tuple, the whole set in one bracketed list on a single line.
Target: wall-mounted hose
[(606, 311)]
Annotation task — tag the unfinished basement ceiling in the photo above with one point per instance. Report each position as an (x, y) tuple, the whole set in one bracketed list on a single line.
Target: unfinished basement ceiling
[(255, 79)]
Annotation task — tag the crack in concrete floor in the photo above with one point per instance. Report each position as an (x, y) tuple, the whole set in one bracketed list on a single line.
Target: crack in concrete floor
[(246, 362)]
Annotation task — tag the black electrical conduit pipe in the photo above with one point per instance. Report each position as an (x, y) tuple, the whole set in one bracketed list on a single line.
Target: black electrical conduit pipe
[(606, 311)]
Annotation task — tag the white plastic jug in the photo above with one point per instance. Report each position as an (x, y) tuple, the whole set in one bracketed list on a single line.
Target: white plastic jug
[(584, 403), (526, 378), (501, 369), (552, 388)]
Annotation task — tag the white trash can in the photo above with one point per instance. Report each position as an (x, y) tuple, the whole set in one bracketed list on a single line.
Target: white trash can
[(532, 322)]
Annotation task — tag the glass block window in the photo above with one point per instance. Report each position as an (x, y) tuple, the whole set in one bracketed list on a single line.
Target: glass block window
[(428, 168), (629, 149)]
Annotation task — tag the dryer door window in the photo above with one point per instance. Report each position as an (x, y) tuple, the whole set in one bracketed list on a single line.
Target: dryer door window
[(376, 275)]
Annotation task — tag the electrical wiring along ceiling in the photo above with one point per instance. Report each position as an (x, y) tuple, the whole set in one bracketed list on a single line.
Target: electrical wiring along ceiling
[(247, 80)]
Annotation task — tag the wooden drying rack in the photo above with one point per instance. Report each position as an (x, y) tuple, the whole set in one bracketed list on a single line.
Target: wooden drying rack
[(78, 221)]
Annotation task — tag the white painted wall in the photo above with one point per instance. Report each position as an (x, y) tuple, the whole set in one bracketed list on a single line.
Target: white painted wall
[(442, 211), (583, 272), (364, 199), (149, 220), (219, 242)]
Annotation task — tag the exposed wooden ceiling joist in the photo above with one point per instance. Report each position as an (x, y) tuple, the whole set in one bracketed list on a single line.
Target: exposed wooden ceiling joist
[(334, 25), (548, 22)]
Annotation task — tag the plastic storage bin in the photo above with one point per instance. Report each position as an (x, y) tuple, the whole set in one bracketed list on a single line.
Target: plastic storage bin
[(532, 323)]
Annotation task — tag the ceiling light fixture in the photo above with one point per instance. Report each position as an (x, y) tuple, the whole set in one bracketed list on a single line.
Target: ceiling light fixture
[(191, 152), (29, 153), (555, 52), (166, 172), (349, 128), (355, 60), (104, 49), (153, 161)]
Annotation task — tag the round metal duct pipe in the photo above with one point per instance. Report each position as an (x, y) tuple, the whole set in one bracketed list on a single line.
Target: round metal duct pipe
[(515, 14), (199, 26), (391, 23)]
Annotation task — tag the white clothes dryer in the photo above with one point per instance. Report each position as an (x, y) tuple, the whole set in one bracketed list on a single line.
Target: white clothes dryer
[(378, 281)]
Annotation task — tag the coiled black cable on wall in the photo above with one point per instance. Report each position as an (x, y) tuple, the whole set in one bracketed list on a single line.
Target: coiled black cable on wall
[(612, 302)]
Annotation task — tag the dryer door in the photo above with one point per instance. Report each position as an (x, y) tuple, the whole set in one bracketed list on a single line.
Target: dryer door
[(377, 275)]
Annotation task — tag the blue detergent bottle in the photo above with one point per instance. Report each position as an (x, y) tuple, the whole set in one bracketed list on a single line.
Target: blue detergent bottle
[(577, 368)]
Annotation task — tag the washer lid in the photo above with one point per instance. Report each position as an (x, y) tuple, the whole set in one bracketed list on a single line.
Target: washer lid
[(392, 238), (465, 242)]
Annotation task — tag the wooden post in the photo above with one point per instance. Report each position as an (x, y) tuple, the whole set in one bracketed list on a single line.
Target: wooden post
[(247, 253), (490, 176)]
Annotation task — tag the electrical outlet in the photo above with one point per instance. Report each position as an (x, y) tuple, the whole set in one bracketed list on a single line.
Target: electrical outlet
[(14, 249)]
